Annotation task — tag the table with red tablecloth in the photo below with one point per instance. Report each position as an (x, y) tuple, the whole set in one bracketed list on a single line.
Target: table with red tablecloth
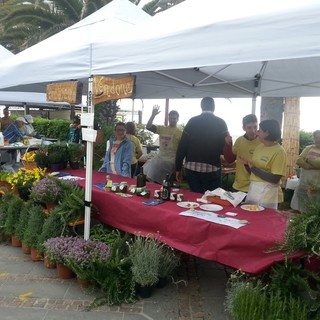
[(244, 248)]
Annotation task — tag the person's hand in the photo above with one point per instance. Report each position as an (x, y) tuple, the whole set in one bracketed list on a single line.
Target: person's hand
[(178, 176), (155, 110), (246, 162), (228, 139)]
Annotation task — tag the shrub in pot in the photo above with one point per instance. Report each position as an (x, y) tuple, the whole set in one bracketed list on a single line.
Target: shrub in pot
[(34, 228), (145, 255), (76, 152)]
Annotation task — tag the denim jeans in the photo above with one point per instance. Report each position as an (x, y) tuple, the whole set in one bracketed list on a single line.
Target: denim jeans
[(202, 181)]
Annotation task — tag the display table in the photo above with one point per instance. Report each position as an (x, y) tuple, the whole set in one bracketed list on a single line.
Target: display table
[(244, 248)]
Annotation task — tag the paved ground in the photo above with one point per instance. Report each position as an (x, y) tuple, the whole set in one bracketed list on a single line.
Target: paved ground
[(29, 291)]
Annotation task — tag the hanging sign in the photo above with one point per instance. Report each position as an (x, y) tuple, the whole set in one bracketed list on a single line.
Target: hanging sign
[(105, 88), (70, 92)]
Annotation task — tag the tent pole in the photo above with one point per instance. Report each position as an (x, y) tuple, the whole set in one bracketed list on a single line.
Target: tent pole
[(166, 113), (132, 112), (254, 102), (89, 164)]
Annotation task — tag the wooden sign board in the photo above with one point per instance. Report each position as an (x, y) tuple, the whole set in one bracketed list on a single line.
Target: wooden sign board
[(105, 88), (70, 92)]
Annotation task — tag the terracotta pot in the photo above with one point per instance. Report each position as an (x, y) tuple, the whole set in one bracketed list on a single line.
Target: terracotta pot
[(64, 272), (83, 283), (50, 206), (35, 255), (25, 249), (15, 242), (48, 263)]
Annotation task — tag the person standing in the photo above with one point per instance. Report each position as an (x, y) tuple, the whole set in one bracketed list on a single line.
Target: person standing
[(201, 145), (267, 167), (309, 163), (119, 154), (5, 120), (162, 164), (137, 148), (242, 148)]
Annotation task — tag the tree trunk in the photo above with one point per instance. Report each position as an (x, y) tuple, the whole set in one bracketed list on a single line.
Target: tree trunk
[(291, 132), (272, 108)]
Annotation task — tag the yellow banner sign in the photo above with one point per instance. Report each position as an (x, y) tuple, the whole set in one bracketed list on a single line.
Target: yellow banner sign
[(105, 88), (70, 92)]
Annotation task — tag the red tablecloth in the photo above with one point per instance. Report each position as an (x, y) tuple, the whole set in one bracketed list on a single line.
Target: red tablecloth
[(244, 248)]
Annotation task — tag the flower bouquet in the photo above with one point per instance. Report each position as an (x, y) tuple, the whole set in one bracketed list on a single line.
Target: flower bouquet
[(24, 179)]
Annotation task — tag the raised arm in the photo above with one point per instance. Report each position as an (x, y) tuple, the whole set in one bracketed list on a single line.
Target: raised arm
[(150, 126)]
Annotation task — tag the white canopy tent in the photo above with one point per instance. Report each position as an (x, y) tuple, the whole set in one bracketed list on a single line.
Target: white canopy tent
[(272, 52), (213, 51), (23, 98)]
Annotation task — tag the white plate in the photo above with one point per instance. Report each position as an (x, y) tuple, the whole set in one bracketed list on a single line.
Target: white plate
[(211, 207), (251, 207), (188, 204)]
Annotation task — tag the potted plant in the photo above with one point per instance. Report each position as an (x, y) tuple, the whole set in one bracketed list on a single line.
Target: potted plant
[(14, 208), (83, 255), (58, 156), (57, 249), (76, 152), (145, 255), (114, 278), (33, 231), (47, 191), (24, 179), (169, 260), (41, 157)]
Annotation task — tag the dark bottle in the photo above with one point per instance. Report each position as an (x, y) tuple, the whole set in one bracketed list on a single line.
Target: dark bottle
[(166, 188), (141, 179)]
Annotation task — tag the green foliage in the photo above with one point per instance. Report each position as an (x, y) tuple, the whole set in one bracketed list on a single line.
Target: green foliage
[(145, 136), (306, 139), (115, 278), (76, 151), (145, 253), (23, 220), (57, 153), (53, 227), (14, 208), (303, 231), (41, 156), (56, 129), (4, 205), (34, 227), (251, 299), (169, 260)]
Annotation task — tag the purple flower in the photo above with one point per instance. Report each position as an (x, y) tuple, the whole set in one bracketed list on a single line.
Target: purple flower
[(46, 190)]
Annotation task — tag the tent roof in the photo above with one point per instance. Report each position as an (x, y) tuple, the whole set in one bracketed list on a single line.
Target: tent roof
[(270, 51)]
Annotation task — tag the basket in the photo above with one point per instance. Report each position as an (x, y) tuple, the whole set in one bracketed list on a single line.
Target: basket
[(27, 163)]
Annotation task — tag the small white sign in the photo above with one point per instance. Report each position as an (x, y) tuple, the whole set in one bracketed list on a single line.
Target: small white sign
[(87, 119), (89, 134)]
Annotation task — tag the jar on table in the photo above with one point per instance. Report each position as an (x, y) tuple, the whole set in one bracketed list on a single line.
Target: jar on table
[(115, 187), (123, 187)]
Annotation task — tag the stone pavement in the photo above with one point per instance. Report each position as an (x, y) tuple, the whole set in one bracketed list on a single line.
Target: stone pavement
[(29, 291)]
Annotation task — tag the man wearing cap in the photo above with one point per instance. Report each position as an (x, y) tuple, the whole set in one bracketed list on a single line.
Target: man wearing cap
[(13, 132)]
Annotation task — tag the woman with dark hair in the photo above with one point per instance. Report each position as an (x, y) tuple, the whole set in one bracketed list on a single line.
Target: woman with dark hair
[(309, 163), (119, 154), (267, 167)]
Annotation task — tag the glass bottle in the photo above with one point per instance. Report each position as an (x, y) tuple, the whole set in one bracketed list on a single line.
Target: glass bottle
[(108, 183), (141, 179), (166, 188)]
